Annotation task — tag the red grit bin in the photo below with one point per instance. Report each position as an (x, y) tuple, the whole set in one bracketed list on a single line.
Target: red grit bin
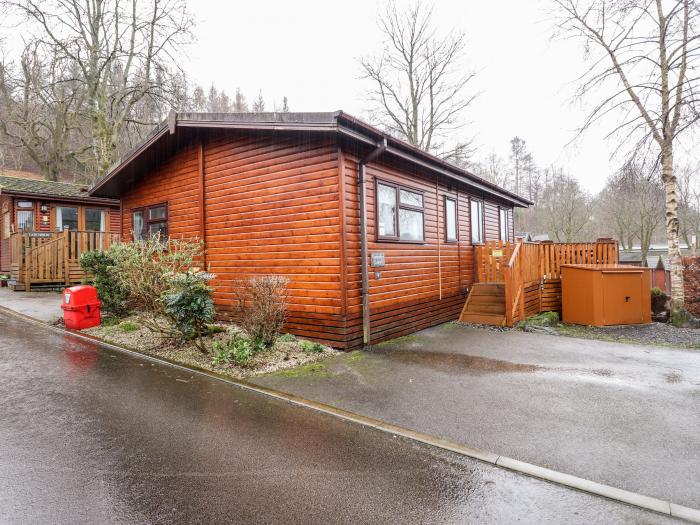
[(81, 308)]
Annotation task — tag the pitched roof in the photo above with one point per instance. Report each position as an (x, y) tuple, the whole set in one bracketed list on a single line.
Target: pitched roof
[(45, 188), (164, 139)]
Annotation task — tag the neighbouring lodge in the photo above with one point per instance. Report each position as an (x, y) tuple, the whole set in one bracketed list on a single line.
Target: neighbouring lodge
[(377, 237), (38, 212)]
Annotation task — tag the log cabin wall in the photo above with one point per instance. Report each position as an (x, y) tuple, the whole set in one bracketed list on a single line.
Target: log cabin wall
[(270, 206), (421, 284), (287, 204)]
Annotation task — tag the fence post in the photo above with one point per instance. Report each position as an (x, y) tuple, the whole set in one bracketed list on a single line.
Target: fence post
[(66, 258), (28, 265)]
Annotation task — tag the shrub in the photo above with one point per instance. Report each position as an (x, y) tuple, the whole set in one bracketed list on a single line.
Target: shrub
[(188, 304), (236, 349), (656, 292), (145, 269), (111, 291), (310, 347), (262, 307)]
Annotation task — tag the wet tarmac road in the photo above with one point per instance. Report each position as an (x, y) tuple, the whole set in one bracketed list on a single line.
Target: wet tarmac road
[(92, 436), (619, 414)]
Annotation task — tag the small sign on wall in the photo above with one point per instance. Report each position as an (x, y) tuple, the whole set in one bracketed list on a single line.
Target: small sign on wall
[(497, 253), (377, 259), (39, 235)]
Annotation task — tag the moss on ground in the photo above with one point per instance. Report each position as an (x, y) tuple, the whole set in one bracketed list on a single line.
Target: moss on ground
[(310, 370)]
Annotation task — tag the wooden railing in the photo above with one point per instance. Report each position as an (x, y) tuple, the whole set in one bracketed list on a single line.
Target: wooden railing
[(535, 267), (53, 258), (513, 279)]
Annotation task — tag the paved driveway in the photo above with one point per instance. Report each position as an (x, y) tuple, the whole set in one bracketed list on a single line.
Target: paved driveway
[(624, 415), (88, 435)]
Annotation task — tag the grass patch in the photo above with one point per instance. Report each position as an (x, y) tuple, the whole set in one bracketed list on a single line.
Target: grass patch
[(310, 347), (542, 319), (287, 338), (128, 326)]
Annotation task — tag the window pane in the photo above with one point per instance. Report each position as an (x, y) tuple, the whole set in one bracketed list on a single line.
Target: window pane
[(504, 225), (477, 222), (155, 213), (411, 225), (25, 221), (138, 225), (159, 230), (24, 204), (66, 218), (95, 220), (387, 210), (451, 219), (411, 198)]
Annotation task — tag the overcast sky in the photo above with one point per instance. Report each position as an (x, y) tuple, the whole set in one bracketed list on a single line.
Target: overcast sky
[(308, 51)]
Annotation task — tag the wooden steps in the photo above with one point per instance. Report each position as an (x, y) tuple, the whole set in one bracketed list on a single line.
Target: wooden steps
[(486, 304)]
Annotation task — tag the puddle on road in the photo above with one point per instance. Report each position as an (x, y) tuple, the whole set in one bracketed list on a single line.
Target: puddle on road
[(458, 364), (454, 363)]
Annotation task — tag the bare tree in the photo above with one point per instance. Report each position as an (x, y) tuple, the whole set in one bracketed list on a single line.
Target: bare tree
[(689, 201), (566, 209), (645, 55), (420, 88), (40, 103), (633, 202), (123, 51)]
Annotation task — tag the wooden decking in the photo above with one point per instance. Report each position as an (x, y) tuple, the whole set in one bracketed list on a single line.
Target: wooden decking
[(517, 280), (52, 259)]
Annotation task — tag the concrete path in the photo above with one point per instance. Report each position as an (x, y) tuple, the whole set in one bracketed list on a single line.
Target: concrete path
[(623, 415), (93, 436), (45, 306)]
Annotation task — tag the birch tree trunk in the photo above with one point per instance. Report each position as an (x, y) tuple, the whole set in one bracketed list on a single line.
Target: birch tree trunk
[(674, 252)]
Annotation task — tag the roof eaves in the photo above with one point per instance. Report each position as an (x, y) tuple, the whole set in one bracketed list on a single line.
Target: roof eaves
[(413, 152)]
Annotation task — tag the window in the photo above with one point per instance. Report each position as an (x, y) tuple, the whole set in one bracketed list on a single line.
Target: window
[(450, 219), (95, 220), (25, 217), (399, 213), (66, 218), (150, 222), (477, 221), (503, 223)]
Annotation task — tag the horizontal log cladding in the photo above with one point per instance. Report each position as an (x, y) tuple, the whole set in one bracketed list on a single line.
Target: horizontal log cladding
[(287, 204)]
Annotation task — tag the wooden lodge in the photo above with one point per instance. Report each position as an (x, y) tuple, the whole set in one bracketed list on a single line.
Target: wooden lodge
[(377, 237), (46, 226)]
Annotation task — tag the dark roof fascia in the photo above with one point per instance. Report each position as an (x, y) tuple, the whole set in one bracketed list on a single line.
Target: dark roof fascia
[(47, 196), (267, 126)]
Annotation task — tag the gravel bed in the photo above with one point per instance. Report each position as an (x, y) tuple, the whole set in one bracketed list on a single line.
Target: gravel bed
[(282, 355), (661, 334)]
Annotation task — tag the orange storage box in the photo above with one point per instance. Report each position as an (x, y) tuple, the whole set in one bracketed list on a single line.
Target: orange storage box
[(81, 307), (605, 294)]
